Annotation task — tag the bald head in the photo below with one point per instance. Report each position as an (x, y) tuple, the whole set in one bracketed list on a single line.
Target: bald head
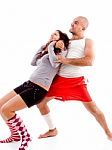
[(83, 20)]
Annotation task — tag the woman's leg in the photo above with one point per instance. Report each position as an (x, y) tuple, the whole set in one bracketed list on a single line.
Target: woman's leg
[(7, 97), (4, 100), (14, 104), (14, 122), (45, 112)]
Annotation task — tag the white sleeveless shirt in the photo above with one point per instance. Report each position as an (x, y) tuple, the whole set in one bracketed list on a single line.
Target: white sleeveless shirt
[(75, 50)]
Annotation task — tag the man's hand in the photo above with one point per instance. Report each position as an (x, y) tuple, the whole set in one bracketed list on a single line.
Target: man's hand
[(61, 59)]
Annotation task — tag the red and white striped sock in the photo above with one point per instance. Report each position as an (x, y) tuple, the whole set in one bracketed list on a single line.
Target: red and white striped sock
[(24, 134), (14, 133), (16, 125)]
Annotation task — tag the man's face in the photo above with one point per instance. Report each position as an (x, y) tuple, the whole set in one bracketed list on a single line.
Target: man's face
[(76, 26)]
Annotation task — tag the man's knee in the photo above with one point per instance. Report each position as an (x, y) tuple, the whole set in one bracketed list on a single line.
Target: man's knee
[(92, 107)]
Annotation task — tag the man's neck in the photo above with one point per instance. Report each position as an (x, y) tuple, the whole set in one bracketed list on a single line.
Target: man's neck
[(77, 37)]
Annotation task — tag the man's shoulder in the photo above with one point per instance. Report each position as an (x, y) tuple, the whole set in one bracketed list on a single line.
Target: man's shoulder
[(89, 41)]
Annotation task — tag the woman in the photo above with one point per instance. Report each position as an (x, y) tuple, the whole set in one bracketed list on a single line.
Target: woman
[(35, 89)]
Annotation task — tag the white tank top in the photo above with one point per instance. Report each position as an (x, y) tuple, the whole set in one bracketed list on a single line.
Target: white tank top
[(75, 50)]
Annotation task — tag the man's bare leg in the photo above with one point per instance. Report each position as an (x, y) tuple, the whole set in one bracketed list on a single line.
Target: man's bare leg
[(99, 116), (45, 111)]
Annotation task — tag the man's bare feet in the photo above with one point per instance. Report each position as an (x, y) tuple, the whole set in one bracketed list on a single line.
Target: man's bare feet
[(109, 135), (50, 133)]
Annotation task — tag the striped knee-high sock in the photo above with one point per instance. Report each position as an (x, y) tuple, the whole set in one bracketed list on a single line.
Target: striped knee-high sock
[(24, 133), (15, 137), (17, 126)]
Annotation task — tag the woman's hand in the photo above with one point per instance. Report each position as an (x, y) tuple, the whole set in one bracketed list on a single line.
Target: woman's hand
[(60, 45)]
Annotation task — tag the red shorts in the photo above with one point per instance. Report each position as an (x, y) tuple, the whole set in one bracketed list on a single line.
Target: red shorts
[(69, 89)]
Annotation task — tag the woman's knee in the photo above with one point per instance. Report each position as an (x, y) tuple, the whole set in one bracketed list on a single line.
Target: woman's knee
[(1, 103), (7, 97), (41, 106), (4, 109), (1, 106), (44, 102)]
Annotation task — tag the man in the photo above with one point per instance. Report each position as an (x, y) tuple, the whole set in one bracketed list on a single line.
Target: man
[(70, 84)]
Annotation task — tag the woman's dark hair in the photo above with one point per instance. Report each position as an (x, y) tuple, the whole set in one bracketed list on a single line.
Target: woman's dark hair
[(63, 37)]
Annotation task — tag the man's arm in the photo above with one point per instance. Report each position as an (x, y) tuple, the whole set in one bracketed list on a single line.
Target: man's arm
[(87, 60)]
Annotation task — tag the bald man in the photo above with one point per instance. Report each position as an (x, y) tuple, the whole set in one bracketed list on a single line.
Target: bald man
[(70, 83)]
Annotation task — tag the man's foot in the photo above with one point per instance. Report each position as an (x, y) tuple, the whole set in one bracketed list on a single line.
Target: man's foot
[(50, 133), (109, 135)]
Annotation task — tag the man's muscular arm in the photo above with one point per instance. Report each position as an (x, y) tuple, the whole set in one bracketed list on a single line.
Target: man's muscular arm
[(87, 60)]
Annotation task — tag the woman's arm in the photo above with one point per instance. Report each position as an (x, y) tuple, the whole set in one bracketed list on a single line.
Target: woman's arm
[(36, 56), (53, 56)]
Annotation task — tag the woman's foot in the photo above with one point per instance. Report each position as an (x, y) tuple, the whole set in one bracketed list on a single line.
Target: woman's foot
[(25, 142), (50, 133), (12, 138)]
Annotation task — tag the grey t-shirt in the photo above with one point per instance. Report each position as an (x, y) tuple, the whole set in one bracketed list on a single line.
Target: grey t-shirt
[(47, 68)]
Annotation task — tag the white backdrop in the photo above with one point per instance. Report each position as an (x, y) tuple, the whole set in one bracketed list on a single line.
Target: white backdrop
[(27, 24)]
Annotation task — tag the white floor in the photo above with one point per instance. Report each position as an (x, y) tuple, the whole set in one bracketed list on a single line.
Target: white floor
[(77, 129)]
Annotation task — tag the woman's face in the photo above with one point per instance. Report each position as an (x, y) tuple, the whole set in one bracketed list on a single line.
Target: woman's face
[(55, 36)]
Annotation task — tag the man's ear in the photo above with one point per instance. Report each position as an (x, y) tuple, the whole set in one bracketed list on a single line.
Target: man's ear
[(83, 28)]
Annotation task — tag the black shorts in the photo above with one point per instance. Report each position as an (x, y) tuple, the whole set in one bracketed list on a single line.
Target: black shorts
[(31, 93)]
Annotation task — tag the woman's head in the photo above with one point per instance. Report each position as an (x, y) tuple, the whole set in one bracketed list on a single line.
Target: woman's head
[(55, 36), (59, 35)]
